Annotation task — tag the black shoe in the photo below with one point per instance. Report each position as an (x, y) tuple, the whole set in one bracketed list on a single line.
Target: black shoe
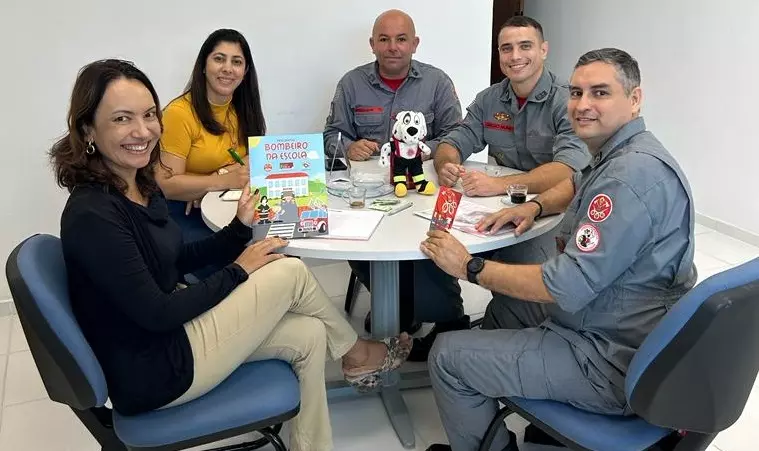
[(533, 434), (512, 446), (422, 346), (410, 329)]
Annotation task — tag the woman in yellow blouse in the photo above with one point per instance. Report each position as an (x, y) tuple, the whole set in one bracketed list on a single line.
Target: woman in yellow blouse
[(219, 110)]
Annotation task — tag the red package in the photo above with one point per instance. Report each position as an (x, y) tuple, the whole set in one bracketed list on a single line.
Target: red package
[(445, 208)]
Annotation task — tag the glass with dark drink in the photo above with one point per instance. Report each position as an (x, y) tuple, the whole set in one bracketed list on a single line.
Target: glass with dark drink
[(517, 194)]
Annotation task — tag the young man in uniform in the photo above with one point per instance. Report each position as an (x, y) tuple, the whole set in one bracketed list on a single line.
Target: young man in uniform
[(523, 121)]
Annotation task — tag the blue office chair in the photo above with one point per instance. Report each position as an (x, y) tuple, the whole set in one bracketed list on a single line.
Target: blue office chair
[(258, 396), (689, 380)]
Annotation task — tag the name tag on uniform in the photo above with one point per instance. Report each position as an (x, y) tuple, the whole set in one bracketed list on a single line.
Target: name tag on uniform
[(497, 126), (368, 109)]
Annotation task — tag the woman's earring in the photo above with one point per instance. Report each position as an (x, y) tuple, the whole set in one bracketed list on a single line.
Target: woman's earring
[(90, 148)]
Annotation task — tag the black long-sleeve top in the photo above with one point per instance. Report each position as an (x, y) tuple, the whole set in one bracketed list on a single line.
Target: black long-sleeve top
[(124, 262)]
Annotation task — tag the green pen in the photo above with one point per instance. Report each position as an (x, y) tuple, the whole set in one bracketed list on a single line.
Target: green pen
[(235, 156)]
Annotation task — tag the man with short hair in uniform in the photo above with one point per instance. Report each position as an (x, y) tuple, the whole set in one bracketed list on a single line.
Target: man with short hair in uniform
[(363, 110), (575, 322), (523, 121)]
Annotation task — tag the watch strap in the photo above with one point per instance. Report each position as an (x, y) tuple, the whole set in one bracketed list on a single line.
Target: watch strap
[(540, 206)]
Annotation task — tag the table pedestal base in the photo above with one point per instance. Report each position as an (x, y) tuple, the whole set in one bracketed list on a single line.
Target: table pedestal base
[(392, 399), (386, 323)]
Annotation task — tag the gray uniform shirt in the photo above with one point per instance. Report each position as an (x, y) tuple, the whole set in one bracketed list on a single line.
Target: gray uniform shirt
[(628, 253), (364, 107), (521, 139)]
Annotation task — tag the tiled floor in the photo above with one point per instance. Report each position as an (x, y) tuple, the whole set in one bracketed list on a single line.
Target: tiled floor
[(29, 421)]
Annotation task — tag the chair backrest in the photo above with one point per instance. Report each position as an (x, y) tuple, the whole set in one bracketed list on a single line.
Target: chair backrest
[(696, 369), (36, 274)]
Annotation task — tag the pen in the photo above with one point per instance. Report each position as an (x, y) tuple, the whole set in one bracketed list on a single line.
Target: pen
[(400, 209), (235, 156)]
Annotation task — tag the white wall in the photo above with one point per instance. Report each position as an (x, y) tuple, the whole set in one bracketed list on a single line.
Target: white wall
[(699, 69), (300, 48)]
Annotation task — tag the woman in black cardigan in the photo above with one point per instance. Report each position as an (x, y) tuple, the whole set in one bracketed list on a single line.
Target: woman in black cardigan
[(161, 343)]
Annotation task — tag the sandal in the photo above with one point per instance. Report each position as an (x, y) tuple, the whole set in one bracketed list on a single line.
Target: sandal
[(368, 381)]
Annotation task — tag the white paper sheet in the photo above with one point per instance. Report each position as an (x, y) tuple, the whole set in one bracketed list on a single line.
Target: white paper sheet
[(467, 217), (352, 224)]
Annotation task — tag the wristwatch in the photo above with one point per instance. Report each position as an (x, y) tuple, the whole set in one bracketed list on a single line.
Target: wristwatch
[(473, 269)]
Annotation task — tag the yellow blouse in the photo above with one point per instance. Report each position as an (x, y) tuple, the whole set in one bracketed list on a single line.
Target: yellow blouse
[(185, 137)]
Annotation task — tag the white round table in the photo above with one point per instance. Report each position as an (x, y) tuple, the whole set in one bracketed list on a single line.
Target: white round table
[(396, 238)]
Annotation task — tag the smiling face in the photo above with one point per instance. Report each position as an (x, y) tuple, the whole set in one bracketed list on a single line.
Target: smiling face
[(522, 53), (394, 42), (225, 69), (126, 128), (598, 105)]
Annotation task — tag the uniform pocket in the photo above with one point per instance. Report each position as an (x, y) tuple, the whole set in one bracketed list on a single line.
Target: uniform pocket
[(498, 134), (610, 400), (368, 118), (367, 123), (540, 143)]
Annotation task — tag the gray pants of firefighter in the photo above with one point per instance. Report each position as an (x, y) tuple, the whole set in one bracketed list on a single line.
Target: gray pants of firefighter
[(514, 357)]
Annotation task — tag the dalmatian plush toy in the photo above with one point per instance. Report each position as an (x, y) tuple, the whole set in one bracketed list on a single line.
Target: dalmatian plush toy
[(404, 153)]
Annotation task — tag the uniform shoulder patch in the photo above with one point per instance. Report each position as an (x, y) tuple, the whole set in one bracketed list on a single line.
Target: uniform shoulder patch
[(587, 238), (600, 208)]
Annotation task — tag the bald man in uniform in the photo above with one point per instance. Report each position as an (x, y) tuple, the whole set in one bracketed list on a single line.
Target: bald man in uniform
[(363, 110)]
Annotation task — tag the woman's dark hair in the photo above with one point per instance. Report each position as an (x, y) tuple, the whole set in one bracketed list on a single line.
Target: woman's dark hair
[(72, 164), (246, 98)]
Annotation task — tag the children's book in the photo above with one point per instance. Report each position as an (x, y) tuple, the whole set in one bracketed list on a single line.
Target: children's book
[(442, 216), (464, 217), (288, 171)]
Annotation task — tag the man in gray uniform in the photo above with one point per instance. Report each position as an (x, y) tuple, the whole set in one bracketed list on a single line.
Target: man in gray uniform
[(363, 110), (368, 97), (577, 320), (523, 121)]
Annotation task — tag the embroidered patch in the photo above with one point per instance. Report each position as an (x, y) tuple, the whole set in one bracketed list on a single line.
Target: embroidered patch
[(501, 116), (498, 126), (600, 208), (587, 238)]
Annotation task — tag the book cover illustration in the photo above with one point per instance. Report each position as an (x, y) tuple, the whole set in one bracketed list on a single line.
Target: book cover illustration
[(445, 208), (288, 171)]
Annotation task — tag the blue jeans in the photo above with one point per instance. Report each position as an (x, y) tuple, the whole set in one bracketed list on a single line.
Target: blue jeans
[(193, 229)]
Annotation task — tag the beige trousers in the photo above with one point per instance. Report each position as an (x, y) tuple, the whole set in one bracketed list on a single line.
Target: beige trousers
[(280, 312)]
